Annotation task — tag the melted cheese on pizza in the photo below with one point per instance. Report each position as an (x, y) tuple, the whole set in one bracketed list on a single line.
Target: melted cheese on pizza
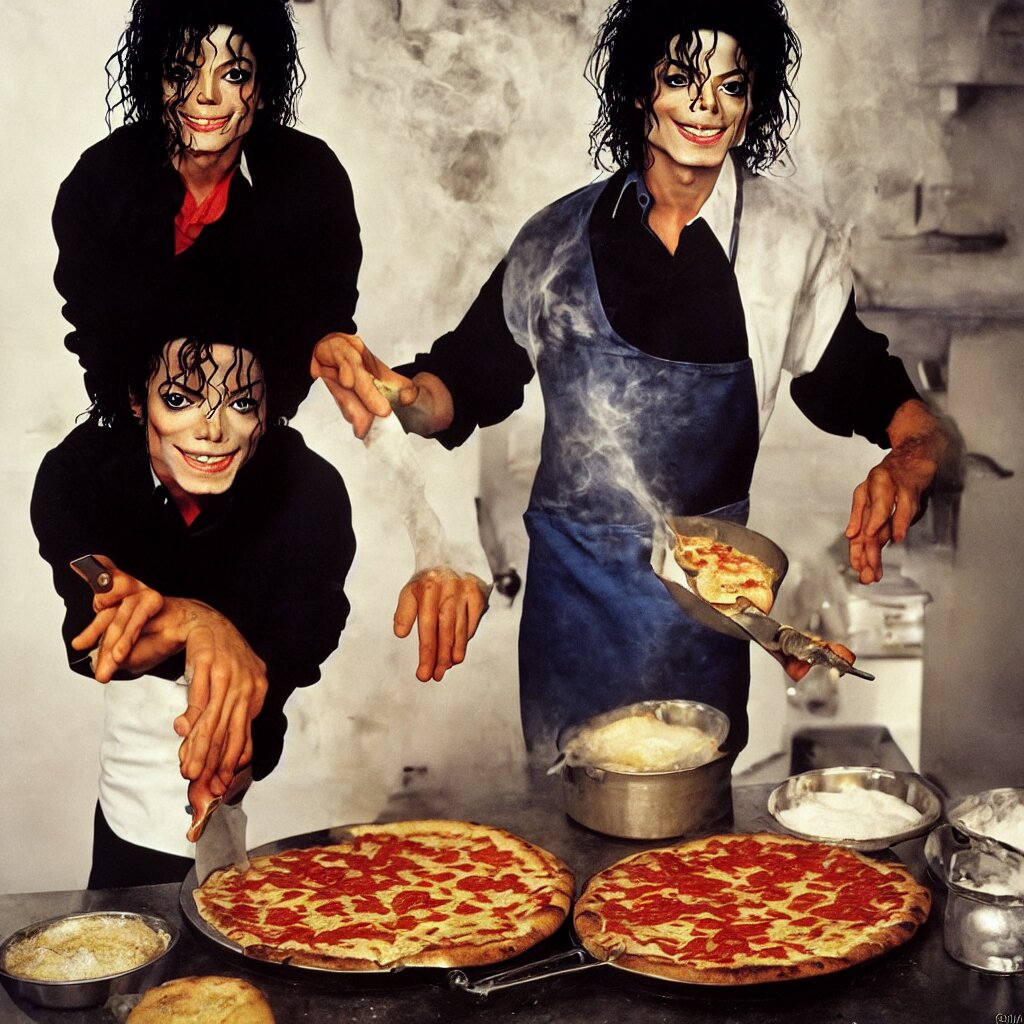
[(721, 574), (736, 903), (392, 894)]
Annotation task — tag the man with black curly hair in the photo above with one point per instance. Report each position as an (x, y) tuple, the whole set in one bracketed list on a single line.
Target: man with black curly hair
[(659, 308), (208, 198)]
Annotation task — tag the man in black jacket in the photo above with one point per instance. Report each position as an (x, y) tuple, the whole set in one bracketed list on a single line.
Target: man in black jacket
[(228, 542)]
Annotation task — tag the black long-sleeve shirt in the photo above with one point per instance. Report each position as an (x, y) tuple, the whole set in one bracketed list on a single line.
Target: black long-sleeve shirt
[(284, 257), (271, 554), (650, 296)]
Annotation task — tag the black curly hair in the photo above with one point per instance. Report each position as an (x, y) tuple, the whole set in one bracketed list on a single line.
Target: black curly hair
[(193, 357), (160, 32), (635, 39)]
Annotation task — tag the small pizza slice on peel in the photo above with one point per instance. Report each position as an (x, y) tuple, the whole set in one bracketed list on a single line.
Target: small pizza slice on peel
[(723, 576)]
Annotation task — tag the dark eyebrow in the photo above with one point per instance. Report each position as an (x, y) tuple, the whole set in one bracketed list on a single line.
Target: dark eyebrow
[(244, 388), (168, 384), (717, 79)]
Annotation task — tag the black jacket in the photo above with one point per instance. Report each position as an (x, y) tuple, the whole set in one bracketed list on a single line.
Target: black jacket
[(272, 554), (283, 260)]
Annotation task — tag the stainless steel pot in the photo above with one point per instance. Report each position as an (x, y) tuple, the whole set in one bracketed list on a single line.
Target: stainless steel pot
[(984, 930), (651, 805)]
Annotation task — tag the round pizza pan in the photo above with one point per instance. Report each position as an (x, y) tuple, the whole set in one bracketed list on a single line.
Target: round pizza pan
[(748, 541), (753, 989), (383, 978), (576, 958)]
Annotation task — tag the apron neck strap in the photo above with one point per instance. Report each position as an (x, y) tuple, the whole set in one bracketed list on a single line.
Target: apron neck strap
[(737, 210)]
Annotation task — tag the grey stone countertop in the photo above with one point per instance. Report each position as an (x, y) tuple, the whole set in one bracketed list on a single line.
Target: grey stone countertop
[(917, 982)]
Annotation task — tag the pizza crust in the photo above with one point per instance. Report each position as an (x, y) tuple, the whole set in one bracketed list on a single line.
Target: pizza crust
[(743, 909), (402, 894), (203, 1000)]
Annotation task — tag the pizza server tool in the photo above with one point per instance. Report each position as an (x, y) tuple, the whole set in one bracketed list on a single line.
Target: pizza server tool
[(750, 623), (776, 638), (222, 840)]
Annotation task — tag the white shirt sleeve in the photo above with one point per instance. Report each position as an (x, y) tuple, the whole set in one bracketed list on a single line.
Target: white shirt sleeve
[(793, 272)]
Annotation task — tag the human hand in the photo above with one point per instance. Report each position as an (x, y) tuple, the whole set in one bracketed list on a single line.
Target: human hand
[(202, 801), (137, 627), (227, 684), (123, 615), (797, 668), (349, 369), (888, 501), (448, 606)]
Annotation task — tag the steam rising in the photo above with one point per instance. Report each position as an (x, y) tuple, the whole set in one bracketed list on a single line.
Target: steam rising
[(404, 487), (400, 484)]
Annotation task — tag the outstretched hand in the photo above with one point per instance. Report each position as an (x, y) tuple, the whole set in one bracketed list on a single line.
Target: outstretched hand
[(447, 607), (227, 684), (889, 500), (349, 369), (127, 632)]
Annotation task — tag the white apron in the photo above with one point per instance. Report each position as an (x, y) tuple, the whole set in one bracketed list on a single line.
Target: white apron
[(142, 793)]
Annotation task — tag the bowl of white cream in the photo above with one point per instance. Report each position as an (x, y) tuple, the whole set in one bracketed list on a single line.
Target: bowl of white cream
[(861, 808)]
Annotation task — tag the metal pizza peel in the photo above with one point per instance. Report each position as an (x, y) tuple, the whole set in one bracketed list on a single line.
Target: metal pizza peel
[(746, 622)]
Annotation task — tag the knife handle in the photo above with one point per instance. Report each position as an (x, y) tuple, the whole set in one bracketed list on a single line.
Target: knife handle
[(94, 572)]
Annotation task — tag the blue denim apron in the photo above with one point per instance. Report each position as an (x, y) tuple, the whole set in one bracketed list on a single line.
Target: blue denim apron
[(628, 437)]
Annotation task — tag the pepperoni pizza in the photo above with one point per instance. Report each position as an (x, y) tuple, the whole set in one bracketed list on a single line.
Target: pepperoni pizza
[(740, 909), (722, 575), (413, 893)]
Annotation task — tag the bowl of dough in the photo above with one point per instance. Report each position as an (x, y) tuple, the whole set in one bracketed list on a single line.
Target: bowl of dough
[(80, 960), (861, 808)]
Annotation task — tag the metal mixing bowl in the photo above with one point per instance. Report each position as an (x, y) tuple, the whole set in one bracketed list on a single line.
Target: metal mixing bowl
[(983, 922), (73, 995), (909, 787)]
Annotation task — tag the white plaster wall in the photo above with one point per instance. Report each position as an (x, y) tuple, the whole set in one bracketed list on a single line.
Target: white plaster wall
[(455, 123)]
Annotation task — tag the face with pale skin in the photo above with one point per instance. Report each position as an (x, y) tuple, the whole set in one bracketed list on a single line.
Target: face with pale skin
[(696, 122), (203, 425), (211, 97)]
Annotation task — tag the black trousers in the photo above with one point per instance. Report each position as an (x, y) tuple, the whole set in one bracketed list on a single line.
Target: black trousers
[(116, 863)]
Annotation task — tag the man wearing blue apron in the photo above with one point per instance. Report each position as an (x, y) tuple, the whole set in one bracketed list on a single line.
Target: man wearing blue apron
[(658, 309)]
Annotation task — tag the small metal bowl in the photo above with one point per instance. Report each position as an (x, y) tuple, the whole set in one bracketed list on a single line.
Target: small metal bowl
[(74, 995), (983, 922), (909, 787), (985, 811)]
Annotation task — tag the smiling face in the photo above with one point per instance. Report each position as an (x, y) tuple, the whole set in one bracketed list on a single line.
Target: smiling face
[(210, 96), (205, 414), (697, 120)]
